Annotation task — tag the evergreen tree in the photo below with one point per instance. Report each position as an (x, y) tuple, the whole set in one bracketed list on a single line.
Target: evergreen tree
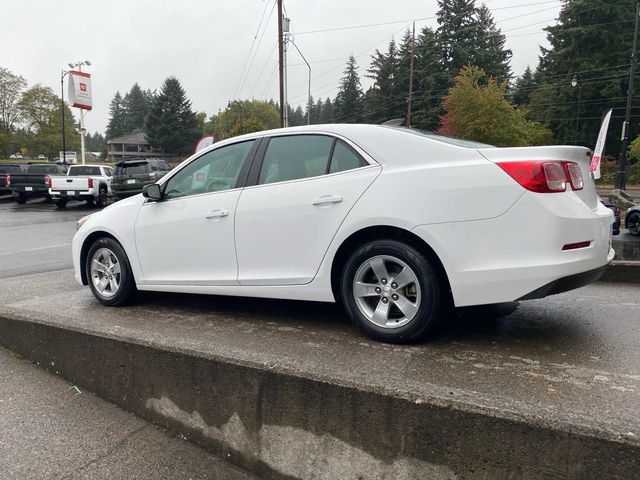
[(117, 117), (387, 97), (326, 111), (592, 40), (431, 81), (523, 87), (456, 27), (136, 104), (490, 53), (171, 124), (348, 103)]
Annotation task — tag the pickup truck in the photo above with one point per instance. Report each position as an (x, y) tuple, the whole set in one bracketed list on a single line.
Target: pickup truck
[(33, 182), (6, 170), (91, 183)]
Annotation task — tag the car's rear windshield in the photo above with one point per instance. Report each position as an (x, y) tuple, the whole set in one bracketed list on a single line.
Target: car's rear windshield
[(443, 138), (132, 168), (10, 169), (84, 170), (45, 169)]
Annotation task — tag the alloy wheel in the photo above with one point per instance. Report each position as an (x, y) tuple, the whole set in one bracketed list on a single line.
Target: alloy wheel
[(387, 291), (106, 274)]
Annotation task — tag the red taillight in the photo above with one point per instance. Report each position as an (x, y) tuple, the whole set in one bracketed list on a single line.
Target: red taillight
[(47, 180), (6, 179), (90, 182), (545, 176)]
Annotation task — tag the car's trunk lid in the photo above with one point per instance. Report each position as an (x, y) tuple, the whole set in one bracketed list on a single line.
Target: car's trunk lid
[(580, 155)]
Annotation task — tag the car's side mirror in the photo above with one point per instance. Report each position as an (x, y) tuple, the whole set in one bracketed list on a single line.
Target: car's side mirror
[(152, 192)]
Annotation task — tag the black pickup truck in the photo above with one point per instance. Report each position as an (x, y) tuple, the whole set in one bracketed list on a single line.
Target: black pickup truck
[(33, 182), (6, 170)]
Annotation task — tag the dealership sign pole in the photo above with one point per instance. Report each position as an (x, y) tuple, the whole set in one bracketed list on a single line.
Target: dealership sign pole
[(80, 97)]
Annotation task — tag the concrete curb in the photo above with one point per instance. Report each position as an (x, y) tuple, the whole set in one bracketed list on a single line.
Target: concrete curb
[(622, 272), (283, 426)]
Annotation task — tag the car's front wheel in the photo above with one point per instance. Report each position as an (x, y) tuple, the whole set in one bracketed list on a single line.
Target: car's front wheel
[(391, 291), (633, 223), (109, 272)]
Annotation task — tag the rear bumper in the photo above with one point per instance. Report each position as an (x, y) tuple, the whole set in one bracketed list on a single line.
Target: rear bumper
[(519, 254), (77, 195), (566, 283)]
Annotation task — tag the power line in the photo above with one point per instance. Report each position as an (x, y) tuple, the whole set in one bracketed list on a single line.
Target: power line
[(255, 52), (432, 17)]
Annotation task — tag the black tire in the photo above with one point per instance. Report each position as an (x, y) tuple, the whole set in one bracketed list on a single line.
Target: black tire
[(48, 198), (21, 198), (633, 223), (430, 292), (101, 200), (127, 288), (61, 203)]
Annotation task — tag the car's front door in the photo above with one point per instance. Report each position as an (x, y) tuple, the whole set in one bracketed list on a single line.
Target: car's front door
[(187, 238), (284, 224)]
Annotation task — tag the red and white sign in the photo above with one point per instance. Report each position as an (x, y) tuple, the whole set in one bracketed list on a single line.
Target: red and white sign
[(204, 142), (80, 90), (602, 138)]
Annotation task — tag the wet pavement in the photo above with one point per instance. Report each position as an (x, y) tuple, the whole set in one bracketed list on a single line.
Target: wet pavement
[(51, 429)]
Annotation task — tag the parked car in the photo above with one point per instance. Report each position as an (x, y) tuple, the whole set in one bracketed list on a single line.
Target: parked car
[(41, 157), (33, 181), (615, 228), (394, 223), (91, 183), (6, 170), (130, 176), (632, 220), (16, 156)]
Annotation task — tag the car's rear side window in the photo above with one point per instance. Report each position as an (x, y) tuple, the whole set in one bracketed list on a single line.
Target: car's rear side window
[(294, 157), (345, 158)]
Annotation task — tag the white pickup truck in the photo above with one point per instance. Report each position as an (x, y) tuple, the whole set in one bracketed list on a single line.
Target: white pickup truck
[(91, 183)]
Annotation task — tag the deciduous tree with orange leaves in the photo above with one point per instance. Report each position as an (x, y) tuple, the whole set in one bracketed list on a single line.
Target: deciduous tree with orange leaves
[(477, 109)]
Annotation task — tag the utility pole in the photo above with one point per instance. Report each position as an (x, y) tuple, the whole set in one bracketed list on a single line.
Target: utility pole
[(621, 178), (281, 65), (413, 41)]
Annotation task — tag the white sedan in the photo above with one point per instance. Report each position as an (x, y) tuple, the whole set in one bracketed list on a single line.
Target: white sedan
[(395, 224)]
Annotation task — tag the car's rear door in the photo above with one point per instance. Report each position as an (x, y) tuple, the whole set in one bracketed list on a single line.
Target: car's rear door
[(304, 186)]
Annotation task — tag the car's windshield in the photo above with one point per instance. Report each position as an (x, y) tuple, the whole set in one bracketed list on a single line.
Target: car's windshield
[(84, 170), (442, 138)]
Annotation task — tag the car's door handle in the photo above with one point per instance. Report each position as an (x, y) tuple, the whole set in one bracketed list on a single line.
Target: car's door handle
[(217, 213), (327, 199)]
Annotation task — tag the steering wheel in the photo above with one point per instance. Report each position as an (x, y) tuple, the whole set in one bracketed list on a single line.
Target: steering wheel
[(216, 185)]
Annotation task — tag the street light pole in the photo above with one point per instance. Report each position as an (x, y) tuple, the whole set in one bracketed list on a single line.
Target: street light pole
[(309, 87), (621, 178), (574, 83), (281, 65)]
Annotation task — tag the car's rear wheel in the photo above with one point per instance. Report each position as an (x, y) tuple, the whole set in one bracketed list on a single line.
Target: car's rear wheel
[(391, 291), (21, 198), (61, 203), (633, 223), (109, 272)]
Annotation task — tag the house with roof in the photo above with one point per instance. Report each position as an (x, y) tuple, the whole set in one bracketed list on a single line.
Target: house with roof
[(132, 145)]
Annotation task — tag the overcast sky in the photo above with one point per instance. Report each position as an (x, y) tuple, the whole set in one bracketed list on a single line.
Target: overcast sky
[(205, 43)]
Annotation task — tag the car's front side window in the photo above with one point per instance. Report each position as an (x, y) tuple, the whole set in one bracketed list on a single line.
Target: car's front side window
[(214, 171), (295, 157)]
